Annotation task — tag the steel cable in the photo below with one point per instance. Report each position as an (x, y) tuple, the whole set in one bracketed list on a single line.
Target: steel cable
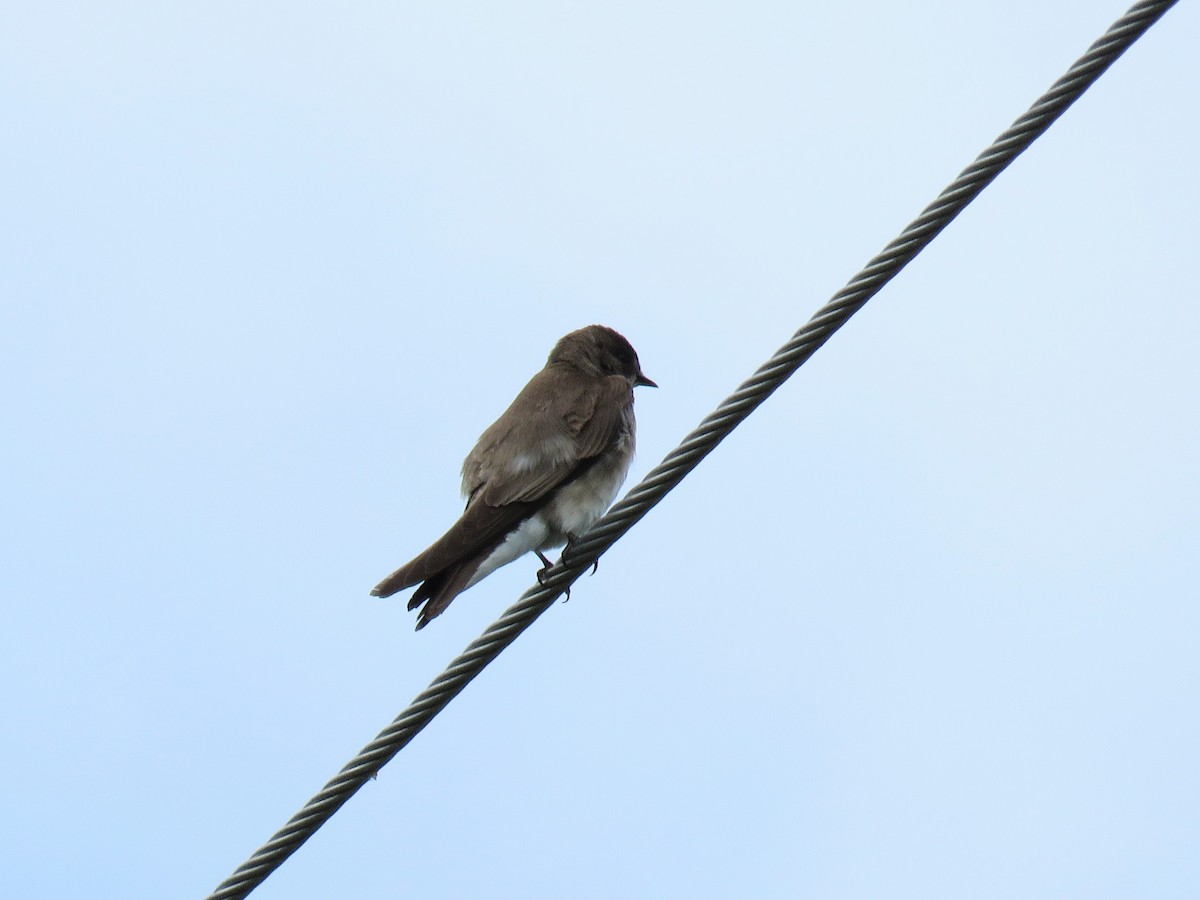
[(715, 427)]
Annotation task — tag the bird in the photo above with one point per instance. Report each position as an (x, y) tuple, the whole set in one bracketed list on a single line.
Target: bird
[(541, 474)]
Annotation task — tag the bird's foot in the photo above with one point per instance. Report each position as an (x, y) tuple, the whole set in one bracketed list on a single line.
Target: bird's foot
[(546, 566), (571, 539)]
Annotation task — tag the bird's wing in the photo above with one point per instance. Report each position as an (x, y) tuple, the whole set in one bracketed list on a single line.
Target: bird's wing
[(540, 444)]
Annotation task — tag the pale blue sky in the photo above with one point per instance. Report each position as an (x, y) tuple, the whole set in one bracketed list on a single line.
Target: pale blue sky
[(926, 626)]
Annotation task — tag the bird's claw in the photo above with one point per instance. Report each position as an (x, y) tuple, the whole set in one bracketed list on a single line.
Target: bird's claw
[(546, 566), (571, 539)]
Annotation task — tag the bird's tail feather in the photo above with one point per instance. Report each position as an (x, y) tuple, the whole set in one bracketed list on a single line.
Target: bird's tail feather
[(438, 592), (404, 577)]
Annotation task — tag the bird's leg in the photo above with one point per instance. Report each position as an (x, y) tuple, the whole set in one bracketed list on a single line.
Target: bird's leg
[(572, 538)]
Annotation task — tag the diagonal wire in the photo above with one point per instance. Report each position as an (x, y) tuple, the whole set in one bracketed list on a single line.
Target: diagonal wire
[(579, 555)]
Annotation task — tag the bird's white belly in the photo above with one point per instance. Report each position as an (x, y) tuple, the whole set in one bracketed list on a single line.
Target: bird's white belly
[(579, 504)]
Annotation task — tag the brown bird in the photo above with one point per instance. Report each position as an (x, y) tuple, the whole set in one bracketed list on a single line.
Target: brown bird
[(542, 474)]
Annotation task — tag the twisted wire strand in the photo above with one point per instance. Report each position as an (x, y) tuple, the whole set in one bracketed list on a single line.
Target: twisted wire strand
[(711, 431)]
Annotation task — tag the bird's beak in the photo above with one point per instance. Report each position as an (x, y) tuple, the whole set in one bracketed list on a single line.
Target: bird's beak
[(643, 381)]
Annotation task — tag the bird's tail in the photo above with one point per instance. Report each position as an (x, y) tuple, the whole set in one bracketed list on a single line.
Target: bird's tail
[(436, 593), (437, 589), (449, 566)]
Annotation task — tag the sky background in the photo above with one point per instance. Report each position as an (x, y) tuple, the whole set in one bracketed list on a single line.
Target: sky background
[(925, 626)]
